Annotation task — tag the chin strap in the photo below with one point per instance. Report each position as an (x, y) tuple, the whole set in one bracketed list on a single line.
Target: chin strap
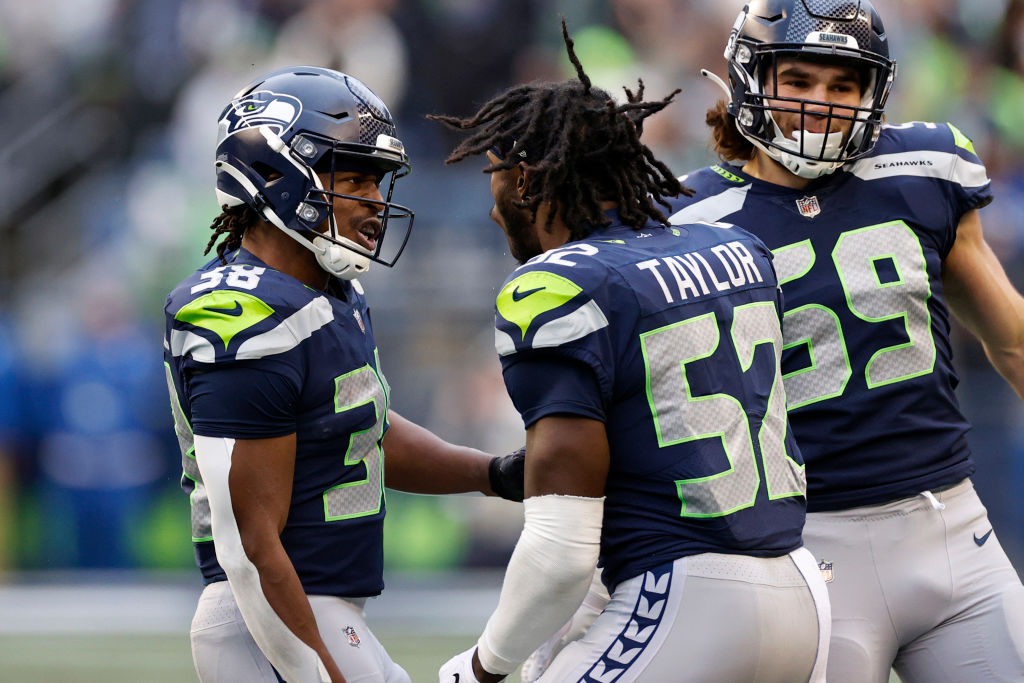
[(337, 260), (717, 80), (830, 145)]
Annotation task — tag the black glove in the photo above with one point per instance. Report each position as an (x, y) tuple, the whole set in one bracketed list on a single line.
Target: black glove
[(506, 475)]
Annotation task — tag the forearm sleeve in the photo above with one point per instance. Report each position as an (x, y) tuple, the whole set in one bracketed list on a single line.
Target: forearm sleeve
[(547, 578), (293, 659)]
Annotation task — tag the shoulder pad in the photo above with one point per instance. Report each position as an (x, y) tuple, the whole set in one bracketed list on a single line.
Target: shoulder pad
[(923, 150), (258, 313)]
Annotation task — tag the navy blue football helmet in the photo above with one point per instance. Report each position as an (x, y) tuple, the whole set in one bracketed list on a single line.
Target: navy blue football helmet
[(848, 32), (283, 129)]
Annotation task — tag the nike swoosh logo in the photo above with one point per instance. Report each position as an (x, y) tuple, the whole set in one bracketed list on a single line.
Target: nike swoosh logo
[(981, 541), (519, 296), (235, 312)]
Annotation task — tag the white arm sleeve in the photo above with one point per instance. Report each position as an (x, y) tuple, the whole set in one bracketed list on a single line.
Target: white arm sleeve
[(293, 659), (580, 622), (546, 579)]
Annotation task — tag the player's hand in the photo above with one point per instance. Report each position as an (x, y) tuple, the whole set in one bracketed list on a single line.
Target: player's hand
[(459, 669), (506, 475)]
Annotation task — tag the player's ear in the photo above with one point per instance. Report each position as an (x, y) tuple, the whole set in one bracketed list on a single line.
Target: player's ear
[(522, 180)]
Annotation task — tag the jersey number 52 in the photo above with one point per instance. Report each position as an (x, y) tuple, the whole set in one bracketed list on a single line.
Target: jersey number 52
[(680, 417)]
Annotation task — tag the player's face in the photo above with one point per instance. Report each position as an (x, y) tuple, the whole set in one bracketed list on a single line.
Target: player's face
[(827, 84), (515, 221), (356, 220)]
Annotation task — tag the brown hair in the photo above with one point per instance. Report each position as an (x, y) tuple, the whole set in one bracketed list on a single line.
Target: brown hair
[(729, 143)]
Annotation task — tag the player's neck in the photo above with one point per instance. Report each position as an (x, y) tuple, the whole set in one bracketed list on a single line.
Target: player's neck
[(763, 167), (282, 253), (554, 235)]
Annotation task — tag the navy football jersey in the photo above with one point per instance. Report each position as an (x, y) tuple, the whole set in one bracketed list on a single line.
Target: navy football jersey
[(671, 337), (867, 360), (252, 353)]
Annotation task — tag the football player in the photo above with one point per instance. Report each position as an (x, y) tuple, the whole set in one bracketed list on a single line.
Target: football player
[(644, 360), (877, 238), (280, 404)]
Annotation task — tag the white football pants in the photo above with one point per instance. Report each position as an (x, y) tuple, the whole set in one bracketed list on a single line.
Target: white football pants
[(921, 585), (708, 617), (224, 651)]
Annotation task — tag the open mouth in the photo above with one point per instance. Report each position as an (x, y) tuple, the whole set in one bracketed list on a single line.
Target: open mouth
[(367, 234)]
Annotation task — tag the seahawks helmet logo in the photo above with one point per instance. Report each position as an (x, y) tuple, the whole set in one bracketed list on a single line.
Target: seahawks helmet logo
[(261, 108)]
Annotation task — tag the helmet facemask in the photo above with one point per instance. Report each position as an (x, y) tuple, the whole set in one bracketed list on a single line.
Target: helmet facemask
[(807, 154), (336, 253)]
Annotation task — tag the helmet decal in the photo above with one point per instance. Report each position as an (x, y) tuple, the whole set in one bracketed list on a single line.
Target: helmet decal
[(372, 121), (261, 108), (824, 15)]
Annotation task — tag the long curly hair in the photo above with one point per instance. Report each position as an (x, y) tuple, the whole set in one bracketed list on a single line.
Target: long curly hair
[(579, 147), (727, 141)]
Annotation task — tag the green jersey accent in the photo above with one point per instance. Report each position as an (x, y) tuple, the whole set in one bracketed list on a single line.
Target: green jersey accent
[(532, 294), (225, 313), (961, 140), (731, 177)]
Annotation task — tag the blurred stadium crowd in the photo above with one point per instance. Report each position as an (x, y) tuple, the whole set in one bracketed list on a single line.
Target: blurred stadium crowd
[(110, 111)]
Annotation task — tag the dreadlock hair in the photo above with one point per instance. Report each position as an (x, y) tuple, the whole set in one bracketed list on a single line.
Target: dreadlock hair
[(233, 222), (580, 149)]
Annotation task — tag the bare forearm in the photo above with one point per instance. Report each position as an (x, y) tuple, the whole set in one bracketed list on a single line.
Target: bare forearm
[(418, 461), (278, 614), (284, 592), (293, 655), (1010, 364)]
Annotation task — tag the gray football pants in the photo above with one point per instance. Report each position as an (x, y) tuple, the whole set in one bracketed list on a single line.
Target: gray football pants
[(707, 618), (224, 651), (921, 585)]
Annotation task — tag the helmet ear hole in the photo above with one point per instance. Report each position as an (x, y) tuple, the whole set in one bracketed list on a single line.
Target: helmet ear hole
[(266, 171)]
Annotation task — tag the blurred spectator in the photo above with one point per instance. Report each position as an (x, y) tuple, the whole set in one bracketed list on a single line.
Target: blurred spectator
[(107, 104), (357, 37), (99, 414), (12, 435)]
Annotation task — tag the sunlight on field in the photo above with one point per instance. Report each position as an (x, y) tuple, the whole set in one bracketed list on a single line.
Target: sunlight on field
[(131, 628), (113, 658)]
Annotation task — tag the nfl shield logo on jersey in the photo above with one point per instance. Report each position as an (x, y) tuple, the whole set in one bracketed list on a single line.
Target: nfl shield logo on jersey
[(353, 637), (826, 571), (809, 206)]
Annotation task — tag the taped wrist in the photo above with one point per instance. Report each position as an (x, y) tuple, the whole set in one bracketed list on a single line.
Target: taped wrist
[(546, 580)]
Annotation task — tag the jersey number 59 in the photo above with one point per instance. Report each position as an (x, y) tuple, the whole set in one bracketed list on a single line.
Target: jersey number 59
[(904, 300)]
